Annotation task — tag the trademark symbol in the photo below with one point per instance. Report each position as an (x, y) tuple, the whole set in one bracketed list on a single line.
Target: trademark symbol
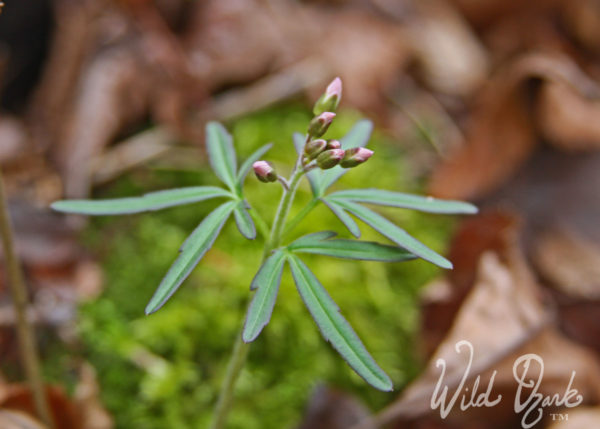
[(559, 416)]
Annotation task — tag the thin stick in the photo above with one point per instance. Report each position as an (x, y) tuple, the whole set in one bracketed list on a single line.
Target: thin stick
[(24, 330)]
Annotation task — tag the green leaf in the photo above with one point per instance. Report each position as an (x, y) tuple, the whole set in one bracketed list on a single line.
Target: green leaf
[(394, 233), (192, 250), (266, 282), (358, 136), (408, 201), (335, 328), (149, 202), (244, 221), (247, 165), (344, 217), (221, 153), (313, 176), (350, 249), (314, 237)]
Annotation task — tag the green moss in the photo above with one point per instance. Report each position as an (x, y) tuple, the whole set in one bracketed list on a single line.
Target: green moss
[(165, 370)]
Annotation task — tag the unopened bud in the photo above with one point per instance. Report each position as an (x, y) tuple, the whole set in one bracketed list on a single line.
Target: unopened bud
[(264, 171), (319, 124), (334, 144), (314, 148), (355, 156), (330, 158), (330, 100)]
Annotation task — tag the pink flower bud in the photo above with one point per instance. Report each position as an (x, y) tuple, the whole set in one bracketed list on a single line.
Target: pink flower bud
[(264, 171), (330, 158), (314, 148), (330, 99), (355, 156), (334, 144), (335, 88), (319, 124)]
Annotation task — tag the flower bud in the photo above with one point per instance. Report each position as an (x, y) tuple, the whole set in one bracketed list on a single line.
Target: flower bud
[(330, 100), (355, 156), (314, 148), (330, 158), (264, 171), (334, 144), (319, 124)]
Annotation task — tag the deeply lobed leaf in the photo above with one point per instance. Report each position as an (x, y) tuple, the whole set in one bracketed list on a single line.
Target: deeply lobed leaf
[(148, 202), (350, 249), (192, 250), (243, 221), (221, 153), (408, 201), (335, 328), (394, 233), (266, 283), (344, 217)]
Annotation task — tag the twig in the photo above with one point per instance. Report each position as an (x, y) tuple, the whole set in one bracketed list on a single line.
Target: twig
[(24, 330)]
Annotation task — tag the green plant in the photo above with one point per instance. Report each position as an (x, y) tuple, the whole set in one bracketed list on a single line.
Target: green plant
[(323, 163)]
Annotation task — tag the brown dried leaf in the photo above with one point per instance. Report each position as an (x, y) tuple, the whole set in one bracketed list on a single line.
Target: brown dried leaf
[(451, 58), (500, 136), (489, 231), (64, 412), (18, 420), (567, 119), (92, 413), (502, 311), (569, 261)]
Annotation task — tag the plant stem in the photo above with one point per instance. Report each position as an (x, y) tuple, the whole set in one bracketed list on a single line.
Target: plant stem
[(25, 332), (240, 349), (283, 210), (301, 215), (234, 368)]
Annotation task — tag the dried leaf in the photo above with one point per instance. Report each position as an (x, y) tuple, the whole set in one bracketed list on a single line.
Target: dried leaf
[(500, 135)]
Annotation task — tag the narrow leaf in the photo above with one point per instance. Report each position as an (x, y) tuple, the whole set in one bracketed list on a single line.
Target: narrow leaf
[(335, 328), (266, 282), (394, 233), (352, 249), (344, 217), (221, 153), (314, 176), (314, 237), (192, 250), (408, 201), (244, 221), (358, 136), (149, 202), (247, 165)]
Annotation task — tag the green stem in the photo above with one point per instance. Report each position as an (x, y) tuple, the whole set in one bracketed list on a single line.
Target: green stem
[(283, 210), (240, 349), (27, 344), (234, 368), (301, 215)]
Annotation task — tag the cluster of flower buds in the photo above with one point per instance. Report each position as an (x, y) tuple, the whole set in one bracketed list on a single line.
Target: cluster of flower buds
[(319, 152), (328, 154)]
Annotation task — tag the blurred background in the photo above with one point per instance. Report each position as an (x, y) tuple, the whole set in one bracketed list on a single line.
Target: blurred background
[(491, 101)]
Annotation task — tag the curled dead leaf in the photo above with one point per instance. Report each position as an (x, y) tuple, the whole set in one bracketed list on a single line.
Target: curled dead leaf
[(501, 133), (568, 119)]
